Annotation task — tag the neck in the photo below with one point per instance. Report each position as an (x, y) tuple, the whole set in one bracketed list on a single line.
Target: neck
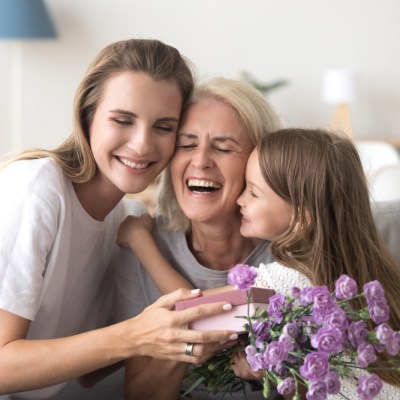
[(97, 200), (219, 247)]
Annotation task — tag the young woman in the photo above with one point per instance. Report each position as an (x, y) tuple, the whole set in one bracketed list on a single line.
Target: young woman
[(307, 193), (60, 211)]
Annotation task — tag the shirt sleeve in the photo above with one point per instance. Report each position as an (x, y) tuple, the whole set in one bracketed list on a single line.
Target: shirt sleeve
[(27, 231)]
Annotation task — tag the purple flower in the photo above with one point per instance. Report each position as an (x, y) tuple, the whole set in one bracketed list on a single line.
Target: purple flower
[(242, 276), (379, 311), (357, 333), (261, 332), (287, 386), (291, 329), (306, 296), (345, 287), (328, 339), (374, 292), (253, 358), (276, 306), (295, 292), (365, 354), (323, 303), (368, 386), (317, 391), (315, 366), (384, 333), (332, 382), (393, 347), (287, 342), (339, 319), (275, 353), (280, 370)]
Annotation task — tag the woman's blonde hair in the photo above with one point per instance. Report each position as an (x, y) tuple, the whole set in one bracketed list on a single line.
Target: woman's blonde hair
[(333, 231), (160, 61), (253, 111)]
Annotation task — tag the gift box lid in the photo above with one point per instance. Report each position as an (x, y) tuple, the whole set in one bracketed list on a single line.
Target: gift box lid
[(235, 297)]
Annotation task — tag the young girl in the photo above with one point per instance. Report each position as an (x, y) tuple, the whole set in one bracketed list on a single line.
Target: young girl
[(307, 193), (60, 211)]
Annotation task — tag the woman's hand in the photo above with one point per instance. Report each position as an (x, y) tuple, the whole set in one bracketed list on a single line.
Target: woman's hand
[(131, 229), (162, 333), (242, 369)]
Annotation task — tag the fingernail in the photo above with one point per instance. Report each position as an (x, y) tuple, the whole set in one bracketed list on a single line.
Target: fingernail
[(234, 336), (227, 307), (195, 291)]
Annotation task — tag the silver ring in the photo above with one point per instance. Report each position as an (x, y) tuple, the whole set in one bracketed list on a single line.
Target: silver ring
[(189, 349)]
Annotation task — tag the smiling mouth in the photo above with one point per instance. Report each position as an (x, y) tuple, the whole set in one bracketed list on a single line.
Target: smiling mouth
[(134, 165), (201, 185)]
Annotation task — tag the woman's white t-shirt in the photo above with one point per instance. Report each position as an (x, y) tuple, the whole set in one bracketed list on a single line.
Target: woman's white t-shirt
[(56, 262)]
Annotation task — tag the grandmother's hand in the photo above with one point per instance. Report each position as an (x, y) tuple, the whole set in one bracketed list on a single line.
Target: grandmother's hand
[(132, 228), (161, 332)]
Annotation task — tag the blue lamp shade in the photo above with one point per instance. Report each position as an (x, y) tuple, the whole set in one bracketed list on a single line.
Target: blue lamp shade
[(25, 19)]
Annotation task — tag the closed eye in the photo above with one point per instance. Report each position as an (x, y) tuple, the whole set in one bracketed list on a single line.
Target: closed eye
[(122, 122)]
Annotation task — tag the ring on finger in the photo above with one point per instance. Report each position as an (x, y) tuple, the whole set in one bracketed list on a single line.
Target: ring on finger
[(189, 349)]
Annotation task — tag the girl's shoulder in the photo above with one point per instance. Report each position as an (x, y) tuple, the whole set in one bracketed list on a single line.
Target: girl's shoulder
[(280, 278)]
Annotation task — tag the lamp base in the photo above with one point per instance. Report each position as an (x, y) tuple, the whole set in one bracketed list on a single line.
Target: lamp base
[(341, 120)]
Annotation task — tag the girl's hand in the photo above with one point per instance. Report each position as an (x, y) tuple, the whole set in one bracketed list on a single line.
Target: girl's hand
[(242, 369), (131, 229)]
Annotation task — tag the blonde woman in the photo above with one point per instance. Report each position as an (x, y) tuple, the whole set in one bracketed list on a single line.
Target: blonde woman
[(60, 211)]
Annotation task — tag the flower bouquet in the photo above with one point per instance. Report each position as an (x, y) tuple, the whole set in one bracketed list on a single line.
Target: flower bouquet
[(311, 339)]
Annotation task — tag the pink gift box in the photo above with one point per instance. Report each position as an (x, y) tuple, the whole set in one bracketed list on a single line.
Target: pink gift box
[(228, 319)]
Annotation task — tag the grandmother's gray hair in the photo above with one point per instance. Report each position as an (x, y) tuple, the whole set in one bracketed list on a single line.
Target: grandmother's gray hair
[(256, 115)]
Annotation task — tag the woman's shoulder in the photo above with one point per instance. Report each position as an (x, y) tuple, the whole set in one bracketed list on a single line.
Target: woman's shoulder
[(41, 170), (34, 179)]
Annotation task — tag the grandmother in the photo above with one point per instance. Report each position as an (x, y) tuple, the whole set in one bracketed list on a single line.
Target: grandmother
[(197, 222)]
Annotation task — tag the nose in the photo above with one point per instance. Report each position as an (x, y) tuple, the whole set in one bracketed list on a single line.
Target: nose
[(240, 200), (141, 140), (202, 158)]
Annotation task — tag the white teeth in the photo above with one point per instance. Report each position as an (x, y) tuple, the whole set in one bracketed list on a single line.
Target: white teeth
[(134, 165), (203, 183)]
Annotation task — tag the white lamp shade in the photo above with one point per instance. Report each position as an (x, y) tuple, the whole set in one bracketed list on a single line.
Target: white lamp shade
[(338, 86)]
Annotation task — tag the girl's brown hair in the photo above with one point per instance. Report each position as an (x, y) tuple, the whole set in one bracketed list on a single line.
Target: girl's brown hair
[(152, 57), (332, 232)]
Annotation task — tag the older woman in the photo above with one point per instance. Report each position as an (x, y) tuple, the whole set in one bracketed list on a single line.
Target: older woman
[(198, 221)]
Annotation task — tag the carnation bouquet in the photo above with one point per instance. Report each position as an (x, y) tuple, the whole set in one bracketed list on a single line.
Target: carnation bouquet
[(311, 339)]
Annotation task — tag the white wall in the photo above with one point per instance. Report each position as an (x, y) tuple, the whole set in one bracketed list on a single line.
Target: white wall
[(290, 39)]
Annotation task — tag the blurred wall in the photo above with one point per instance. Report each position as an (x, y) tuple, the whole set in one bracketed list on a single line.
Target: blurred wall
[(286, 39)]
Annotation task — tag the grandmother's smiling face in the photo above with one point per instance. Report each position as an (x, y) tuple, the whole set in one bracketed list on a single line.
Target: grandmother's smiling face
[(210, 160)]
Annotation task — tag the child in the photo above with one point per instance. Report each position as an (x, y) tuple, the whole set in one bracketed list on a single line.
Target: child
[(306, 192)]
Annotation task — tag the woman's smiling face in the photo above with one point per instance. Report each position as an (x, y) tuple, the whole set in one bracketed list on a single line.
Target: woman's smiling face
[(209, 162), (133, 132)]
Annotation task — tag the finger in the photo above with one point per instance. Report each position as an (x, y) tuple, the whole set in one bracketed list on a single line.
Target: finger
[(169, 300)]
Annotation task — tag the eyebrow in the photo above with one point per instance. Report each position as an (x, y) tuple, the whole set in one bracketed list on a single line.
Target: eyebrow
[(214, 139), (131, 114)]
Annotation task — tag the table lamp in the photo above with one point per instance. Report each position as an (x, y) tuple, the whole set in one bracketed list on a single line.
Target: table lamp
[(21, 20), (338, 89)]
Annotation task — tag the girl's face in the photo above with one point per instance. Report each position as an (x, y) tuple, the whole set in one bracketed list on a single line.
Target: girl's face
[(133, 132), (265, 215), (209, 163)]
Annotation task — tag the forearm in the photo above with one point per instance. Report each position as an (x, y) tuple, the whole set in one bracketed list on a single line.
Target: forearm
[(32, 364), (165, 277)]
